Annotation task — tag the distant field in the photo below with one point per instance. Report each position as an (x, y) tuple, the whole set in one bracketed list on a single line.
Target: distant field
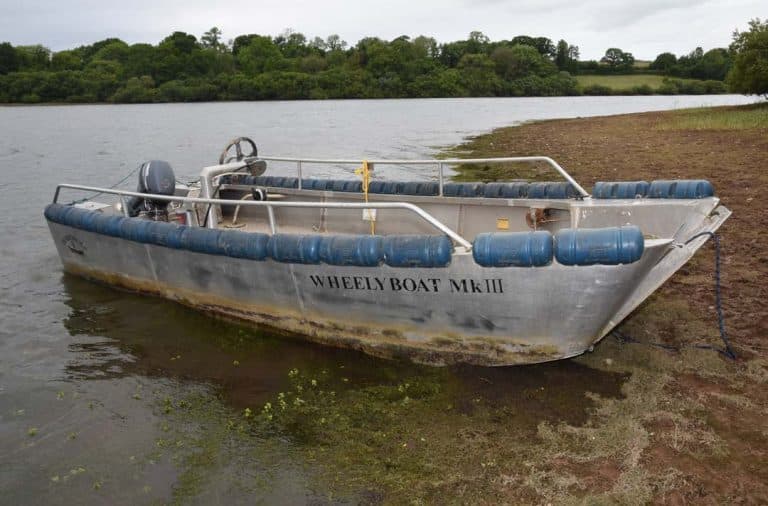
[(623, 82)]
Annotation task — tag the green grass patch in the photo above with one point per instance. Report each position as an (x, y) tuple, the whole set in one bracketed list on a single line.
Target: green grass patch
[(747, 117), (623, 82)]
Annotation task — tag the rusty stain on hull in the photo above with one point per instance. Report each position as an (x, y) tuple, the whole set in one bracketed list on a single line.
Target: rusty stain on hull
[(390, 343)]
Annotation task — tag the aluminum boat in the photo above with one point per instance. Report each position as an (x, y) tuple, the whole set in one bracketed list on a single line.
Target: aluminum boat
[(434, 271)]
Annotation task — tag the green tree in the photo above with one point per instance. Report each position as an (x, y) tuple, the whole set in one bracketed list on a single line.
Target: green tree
[(451, 53), (87, 52), (319, 44), (136, 90), (664, 62), (313, 63), (618, 59), (713, 65), (67, 60), (543, 45), (180, 43), (174, 58), (334, 43), (478, 75), (749, 74), (260, 54), (477, 42), (212, 40), (141, 60), (519, 61), (613, 56), (35, 57), (114, 51), (292, 44), (566, 56), (9, 58)]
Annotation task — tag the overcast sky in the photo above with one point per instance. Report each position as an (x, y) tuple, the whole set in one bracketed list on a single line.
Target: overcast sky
[(644, 28)]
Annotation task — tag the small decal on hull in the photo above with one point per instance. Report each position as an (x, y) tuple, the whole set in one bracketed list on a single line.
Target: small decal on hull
[(74, 244)]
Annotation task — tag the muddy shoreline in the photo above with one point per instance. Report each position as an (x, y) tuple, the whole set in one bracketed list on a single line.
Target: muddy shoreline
[(704, 422)]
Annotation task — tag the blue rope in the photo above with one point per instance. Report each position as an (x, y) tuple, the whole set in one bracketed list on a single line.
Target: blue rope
[(728, 350)]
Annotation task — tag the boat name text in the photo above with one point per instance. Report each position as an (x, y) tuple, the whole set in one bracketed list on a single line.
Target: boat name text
[(405, 284)]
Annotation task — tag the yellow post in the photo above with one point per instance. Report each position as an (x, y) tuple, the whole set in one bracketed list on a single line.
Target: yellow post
[(365, 172)]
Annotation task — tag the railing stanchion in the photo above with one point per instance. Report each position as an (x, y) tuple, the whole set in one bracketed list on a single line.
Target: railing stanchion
[(440, 178), (298, 169), (124, 207), (272, 222)]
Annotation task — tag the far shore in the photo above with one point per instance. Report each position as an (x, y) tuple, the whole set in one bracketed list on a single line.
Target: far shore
[(584, 96)]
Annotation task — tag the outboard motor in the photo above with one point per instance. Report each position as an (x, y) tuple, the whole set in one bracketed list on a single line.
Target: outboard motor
[(155, 177)]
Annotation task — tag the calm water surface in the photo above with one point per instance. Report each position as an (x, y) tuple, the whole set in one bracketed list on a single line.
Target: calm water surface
[(84, 368)]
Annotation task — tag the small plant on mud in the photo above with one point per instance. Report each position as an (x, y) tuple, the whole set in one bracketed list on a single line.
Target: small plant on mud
[(312, 411)]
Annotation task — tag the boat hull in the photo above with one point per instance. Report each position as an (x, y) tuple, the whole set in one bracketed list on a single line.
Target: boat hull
[(459, 313)]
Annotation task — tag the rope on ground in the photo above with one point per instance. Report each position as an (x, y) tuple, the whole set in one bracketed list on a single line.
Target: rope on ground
[(727, 351)]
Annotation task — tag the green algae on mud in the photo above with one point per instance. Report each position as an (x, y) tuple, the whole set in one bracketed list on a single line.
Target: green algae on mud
[(430, 433)]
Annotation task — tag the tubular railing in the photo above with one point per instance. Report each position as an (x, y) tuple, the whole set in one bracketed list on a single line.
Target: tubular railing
[(271, 205), (439, 164)]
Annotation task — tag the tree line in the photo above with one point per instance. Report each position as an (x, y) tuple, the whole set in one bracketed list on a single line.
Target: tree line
[(183, 68)]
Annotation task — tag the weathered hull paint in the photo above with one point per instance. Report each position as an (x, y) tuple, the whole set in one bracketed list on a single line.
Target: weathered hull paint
[(460, 313)]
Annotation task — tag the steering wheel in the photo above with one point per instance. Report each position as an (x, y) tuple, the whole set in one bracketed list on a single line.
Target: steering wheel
[(239, 155)]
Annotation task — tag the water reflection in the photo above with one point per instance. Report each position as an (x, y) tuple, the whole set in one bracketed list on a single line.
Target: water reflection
[(121, 334)]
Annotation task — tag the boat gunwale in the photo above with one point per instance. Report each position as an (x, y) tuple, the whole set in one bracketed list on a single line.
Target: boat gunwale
[(429, 218)]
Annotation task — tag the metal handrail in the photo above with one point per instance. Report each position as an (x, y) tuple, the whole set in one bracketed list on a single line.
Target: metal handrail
[(271, 205), (439, 162)]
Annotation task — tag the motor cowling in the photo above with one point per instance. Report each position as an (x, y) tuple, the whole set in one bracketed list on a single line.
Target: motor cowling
[(155, 177)]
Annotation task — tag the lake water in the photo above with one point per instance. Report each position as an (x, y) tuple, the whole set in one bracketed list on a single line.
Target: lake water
[(85, 371)]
